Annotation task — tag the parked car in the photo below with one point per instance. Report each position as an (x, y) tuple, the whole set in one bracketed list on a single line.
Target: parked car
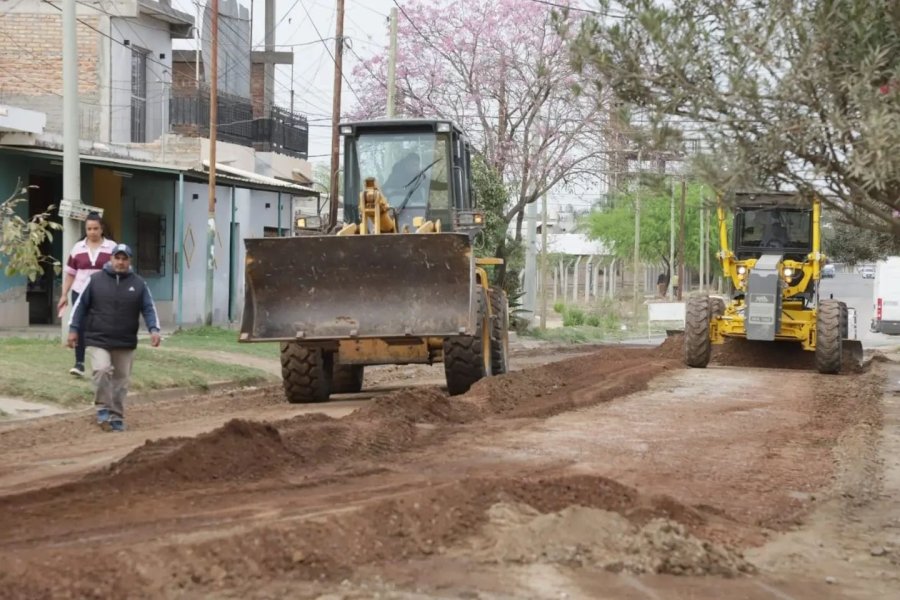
[(867, 272), (828, 271)]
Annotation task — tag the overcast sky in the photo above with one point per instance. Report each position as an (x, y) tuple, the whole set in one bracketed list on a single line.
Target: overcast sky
[(300, 25)]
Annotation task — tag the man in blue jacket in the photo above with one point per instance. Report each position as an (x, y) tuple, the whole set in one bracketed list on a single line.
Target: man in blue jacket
[(107, 312)]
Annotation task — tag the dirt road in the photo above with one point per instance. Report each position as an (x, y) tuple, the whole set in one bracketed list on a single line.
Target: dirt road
[(612, 474)]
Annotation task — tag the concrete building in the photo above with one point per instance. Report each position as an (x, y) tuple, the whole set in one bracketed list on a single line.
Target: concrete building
[(143, 167)]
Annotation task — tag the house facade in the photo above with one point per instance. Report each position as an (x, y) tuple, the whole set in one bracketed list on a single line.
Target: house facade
[(147, 173)]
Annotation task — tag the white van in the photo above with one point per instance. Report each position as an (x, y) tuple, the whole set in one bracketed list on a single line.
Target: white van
[(887, 296)]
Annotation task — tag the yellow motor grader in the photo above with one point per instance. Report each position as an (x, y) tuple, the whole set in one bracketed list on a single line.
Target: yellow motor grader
[(774, 267), (398, 284)]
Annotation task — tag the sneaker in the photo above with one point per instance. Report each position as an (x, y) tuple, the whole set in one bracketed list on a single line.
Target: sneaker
[(102, 416), (117, 425), (77, 370)]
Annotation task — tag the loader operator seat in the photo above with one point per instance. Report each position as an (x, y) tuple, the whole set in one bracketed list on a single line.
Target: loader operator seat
[(404, 170)]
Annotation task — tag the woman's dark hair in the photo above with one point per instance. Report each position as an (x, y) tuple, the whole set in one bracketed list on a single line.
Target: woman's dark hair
[(93, 216)]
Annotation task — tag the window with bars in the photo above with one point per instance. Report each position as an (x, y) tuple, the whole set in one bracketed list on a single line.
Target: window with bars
[(139, 95), (151, 244)]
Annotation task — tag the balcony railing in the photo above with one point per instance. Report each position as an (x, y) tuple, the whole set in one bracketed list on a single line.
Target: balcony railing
[(279, 131)]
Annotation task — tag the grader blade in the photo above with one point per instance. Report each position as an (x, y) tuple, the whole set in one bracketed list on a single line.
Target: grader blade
[(853, 349), (362, 286)]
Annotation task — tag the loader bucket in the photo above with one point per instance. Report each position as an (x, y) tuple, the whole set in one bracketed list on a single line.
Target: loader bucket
[(366, 286)]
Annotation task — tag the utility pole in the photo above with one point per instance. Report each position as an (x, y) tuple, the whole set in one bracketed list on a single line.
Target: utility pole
[(671, 241), (681, 256), (336, 114), (544, 267), (392, 66), (702, 247), (71, 161), (211, 204), (269, 67), (530, 260), (637, 234)]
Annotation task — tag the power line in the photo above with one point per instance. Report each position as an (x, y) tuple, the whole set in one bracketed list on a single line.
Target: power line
[(583, 10), (327, 49)]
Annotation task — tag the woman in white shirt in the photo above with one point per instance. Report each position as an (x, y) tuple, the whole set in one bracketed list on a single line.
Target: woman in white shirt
[(86, 258)]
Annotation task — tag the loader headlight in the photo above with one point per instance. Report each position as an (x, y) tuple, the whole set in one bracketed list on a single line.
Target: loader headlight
[(788, 272), (741, 270)]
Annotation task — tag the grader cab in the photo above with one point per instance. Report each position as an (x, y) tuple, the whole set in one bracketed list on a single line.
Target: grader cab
[(397, 284), (774, 267)]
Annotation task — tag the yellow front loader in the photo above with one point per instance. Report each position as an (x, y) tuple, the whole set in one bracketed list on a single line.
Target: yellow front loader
[(397, 284), (774, 267)]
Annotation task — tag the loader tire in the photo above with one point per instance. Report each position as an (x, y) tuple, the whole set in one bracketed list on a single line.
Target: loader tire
[(499, 331), (829, 346), (697, 345), (467, 358), (305, 373), (347, 379)]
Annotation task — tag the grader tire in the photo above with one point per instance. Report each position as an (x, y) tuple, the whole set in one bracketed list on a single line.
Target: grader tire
[(845, 321), (499, 331), (829, 346), (467, 358), (305, 373), (347, 379), (697, 345)]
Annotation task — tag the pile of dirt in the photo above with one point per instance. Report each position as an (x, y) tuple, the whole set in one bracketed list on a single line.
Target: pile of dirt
[(438, 519), (419, 405), (736, 352), (582, 536), (238, 451)]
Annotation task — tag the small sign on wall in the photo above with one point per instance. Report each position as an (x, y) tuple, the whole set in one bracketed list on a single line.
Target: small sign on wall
[(77, 210)]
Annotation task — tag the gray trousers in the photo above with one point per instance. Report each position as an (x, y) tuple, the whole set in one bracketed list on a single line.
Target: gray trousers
[(111, 372)]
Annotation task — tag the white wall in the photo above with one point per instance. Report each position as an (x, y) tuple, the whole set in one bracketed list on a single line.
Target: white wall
[(149, 34), (252, 215)]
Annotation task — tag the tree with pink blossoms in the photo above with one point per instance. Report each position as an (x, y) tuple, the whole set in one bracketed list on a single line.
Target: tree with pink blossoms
[(499, 69)]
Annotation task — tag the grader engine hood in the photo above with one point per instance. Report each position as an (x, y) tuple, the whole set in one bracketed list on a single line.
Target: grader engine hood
[(764, 298), (370, 286)]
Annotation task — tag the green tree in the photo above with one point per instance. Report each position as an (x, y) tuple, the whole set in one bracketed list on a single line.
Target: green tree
[(492, 196), (21, 238), (790, 94), (614, 225)]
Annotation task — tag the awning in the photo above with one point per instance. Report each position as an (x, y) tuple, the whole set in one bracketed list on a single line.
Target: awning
[(225, 175)]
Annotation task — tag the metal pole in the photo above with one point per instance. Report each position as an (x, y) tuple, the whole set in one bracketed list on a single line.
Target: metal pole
[(179, 315), (702, 266), (211, 204), (71, 161), (269, 67), (279, 214), (336, 113), (544, 267), (671, 241), (197, 49), (530, 260), (392, 65), (637, 234), (681, 258)]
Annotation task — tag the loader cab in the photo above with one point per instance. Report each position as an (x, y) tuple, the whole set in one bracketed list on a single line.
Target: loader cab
[(772, 223), (422, 166)]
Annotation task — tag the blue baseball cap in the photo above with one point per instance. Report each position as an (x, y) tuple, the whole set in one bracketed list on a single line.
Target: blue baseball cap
[(122, 248)]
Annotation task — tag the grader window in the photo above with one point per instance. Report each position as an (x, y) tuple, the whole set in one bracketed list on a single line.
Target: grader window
[(768, 228)]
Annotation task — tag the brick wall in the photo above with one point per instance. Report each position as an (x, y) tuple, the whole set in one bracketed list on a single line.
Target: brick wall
[(31, 61)]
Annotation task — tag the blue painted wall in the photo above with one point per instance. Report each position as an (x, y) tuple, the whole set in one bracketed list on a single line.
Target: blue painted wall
[(147, 193)]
